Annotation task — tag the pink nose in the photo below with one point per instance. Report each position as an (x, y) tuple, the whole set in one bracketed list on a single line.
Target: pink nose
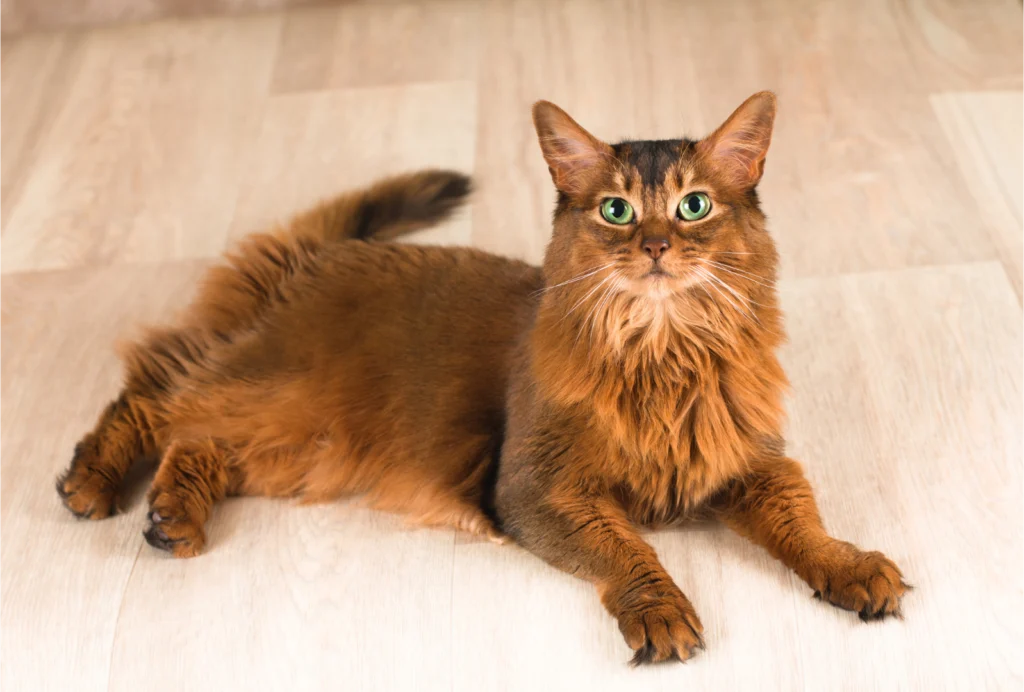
[(655, 246)]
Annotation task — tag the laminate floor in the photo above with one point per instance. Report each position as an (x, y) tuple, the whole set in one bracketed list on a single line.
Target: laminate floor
[(133, 155)]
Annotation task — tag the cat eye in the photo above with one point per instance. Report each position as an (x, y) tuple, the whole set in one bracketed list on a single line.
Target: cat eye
[(617, 211), (695, 205)]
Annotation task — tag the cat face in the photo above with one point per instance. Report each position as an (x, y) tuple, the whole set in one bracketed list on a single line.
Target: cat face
[(659, 220)]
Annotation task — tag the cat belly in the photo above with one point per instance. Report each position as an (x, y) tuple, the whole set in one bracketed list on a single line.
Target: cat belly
[(288, 438)]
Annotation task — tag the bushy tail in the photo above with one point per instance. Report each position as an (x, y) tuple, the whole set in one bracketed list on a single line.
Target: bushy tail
[(390, 208), (235, 294)]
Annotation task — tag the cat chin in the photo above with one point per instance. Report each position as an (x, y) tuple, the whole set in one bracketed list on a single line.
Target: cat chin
[(659, 289), (662, 287)]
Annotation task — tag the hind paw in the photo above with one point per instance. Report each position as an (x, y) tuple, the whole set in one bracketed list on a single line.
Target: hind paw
[(87, 491)]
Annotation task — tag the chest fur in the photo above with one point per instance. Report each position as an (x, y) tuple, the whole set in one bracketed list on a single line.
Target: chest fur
[(668, 420), (671, 442)]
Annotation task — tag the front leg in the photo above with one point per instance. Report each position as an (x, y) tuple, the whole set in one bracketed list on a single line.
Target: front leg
[(774, 506), (590, 537)]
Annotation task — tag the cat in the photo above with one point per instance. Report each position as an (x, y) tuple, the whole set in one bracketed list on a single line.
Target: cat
[(631, 381)]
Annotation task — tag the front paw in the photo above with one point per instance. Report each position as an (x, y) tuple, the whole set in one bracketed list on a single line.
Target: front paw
[(171, 528), (867, 583), (660, 628)]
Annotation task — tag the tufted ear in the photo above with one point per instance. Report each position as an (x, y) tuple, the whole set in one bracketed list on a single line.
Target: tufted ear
[(572, 153), (739, 146)]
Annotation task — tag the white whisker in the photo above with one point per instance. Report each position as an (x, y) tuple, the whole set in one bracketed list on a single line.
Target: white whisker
[(747, 301), (572, 280), (719, 282), (598, 307), (739, 272), (589, 293)]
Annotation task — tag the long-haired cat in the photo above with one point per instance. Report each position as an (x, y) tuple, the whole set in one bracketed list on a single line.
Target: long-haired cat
[(632, 381)]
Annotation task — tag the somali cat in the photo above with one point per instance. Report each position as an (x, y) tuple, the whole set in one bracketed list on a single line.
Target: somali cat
[(630, 382)]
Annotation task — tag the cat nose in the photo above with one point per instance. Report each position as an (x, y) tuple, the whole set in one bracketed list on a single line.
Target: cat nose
[(655, 246)]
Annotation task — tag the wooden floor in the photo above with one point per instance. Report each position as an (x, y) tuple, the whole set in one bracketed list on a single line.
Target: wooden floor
[(133, 155)]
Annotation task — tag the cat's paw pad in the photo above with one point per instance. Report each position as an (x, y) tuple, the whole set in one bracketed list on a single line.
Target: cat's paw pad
[(178, 535), (869, 584), (85, 491), (662, 630)]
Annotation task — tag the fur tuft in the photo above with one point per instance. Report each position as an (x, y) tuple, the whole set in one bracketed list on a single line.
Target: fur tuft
[(388, 209)]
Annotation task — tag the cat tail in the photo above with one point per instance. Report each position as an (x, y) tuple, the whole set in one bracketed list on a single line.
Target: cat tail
[(390, 208), (235, 294)]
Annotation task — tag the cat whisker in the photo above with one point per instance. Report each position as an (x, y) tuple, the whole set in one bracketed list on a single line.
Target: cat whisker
[(739, 272), (598, 307), (590, 293), (710, 298), (747, 301), (572, 280), (715, 280)]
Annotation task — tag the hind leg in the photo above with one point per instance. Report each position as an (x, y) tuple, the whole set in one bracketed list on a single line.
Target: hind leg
[(102, 458), (192, 476), (461, 515)]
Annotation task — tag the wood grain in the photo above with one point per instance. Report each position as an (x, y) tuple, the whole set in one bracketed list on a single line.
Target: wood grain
[(291, 597), (906, 409), (984, 132), (64, 580), (894, 190), (36, 73), (850, 185), (47, 15), (357, 45), (312, 146), (147, 171), (559, 51)]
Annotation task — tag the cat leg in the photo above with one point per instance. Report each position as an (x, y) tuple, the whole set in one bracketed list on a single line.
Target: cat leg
[(591, 538), (192, 476), (124, 433), (449, 511), (775, 507)]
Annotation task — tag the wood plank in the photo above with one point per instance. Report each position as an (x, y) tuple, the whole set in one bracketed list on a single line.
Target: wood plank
[(316, 145), (63, 579), (963, 45), (984, 133), (148, 171), (563, 52), (128, 147), (20, 16), (859, 177), (361, 44), (291, 597), (37, 71), (906, 410)]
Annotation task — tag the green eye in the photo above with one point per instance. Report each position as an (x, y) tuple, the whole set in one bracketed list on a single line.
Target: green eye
[(695, 205), (616, 210)]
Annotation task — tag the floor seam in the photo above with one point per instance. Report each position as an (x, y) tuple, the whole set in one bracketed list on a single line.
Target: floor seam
[(117, 619)]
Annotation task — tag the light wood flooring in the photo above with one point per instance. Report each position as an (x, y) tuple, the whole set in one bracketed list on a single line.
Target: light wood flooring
[(133, 155)]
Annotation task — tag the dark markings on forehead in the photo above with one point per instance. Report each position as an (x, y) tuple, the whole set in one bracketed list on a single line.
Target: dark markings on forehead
[(652, 159)]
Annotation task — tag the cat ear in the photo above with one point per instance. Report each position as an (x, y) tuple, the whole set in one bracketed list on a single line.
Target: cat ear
[(739, 146), (572, 153)]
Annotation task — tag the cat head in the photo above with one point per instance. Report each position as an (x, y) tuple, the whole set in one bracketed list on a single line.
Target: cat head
[(658, 227)]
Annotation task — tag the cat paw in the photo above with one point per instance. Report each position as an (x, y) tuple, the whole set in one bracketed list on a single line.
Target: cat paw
[(175, 533), (85, 491), (662, 630), (867, 583)]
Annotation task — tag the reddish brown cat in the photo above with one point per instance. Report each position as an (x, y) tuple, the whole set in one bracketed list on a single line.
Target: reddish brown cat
[(631, 381)]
